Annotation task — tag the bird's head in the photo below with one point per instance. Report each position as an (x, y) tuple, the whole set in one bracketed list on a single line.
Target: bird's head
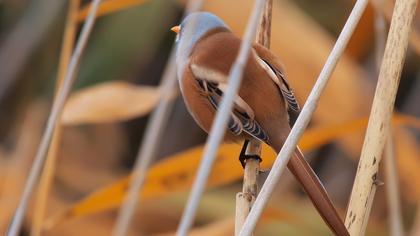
[(195, 26), (191, 30)]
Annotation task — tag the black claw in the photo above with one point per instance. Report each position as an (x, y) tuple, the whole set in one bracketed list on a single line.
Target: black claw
[(243, 159), (243, 156)]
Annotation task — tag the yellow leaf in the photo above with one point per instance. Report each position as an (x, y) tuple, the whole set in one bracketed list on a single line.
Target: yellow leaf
[(108, 7), (109, 102), (176, 173)]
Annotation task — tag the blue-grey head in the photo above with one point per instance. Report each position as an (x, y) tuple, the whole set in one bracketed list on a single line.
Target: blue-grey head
[(191, 29)]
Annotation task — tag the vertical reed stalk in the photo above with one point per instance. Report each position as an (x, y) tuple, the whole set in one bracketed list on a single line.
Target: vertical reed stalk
[(47, 175), (54, 117), (392, 189), (391, 172), (245, 199), (379, 122)]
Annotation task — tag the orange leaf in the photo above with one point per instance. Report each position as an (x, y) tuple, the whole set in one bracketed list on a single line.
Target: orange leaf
[(108, 7), (109, 102)]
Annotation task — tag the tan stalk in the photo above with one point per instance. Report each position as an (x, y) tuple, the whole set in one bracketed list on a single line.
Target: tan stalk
[(391, 172), (245, 199), (379, 122), (48, 173)]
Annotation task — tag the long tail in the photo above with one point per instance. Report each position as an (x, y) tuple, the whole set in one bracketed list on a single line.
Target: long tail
[(304, 173)]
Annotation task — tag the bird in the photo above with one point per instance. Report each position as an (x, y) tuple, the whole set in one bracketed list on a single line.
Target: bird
[(264, 108)]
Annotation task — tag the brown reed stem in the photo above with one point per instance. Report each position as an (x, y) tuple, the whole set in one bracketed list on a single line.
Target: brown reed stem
[(379, 122)]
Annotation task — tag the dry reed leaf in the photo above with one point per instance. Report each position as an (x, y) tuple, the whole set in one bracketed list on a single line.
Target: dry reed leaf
[(109, 6), (176, 173), (109, 102)]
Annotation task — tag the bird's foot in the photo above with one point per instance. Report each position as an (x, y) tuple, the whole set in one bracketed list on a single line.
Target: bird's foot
[(243, 157)]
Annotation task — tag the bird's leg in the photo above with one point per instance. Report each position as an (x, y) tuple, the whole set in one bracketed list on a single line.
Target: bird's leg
[(243, 156)]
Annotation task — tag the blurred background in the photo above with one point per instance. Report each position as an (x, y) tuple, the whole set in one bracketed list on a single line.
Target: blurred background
[(117, 88)]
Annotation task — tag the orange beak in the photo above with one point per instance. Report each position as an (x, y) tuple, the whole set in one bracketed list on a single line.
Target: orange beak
[(176, 29)]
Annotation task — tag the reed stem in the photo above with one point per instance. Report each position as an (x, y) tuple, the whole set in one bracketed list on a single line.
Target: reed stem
[(379, 122)]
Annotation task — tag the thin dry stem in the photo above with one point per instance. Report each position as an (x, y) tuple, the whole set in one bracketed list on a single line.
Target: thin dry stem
[(377, 132), (246, 198), (49, 169), (55, 116), (243, 207), (264, 31), (391, 173), (309, 108), (392, 189)]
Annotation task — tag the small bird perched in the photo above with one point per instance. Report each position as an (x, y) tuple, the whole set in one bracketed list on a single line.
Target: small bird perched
[(264, 106)]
